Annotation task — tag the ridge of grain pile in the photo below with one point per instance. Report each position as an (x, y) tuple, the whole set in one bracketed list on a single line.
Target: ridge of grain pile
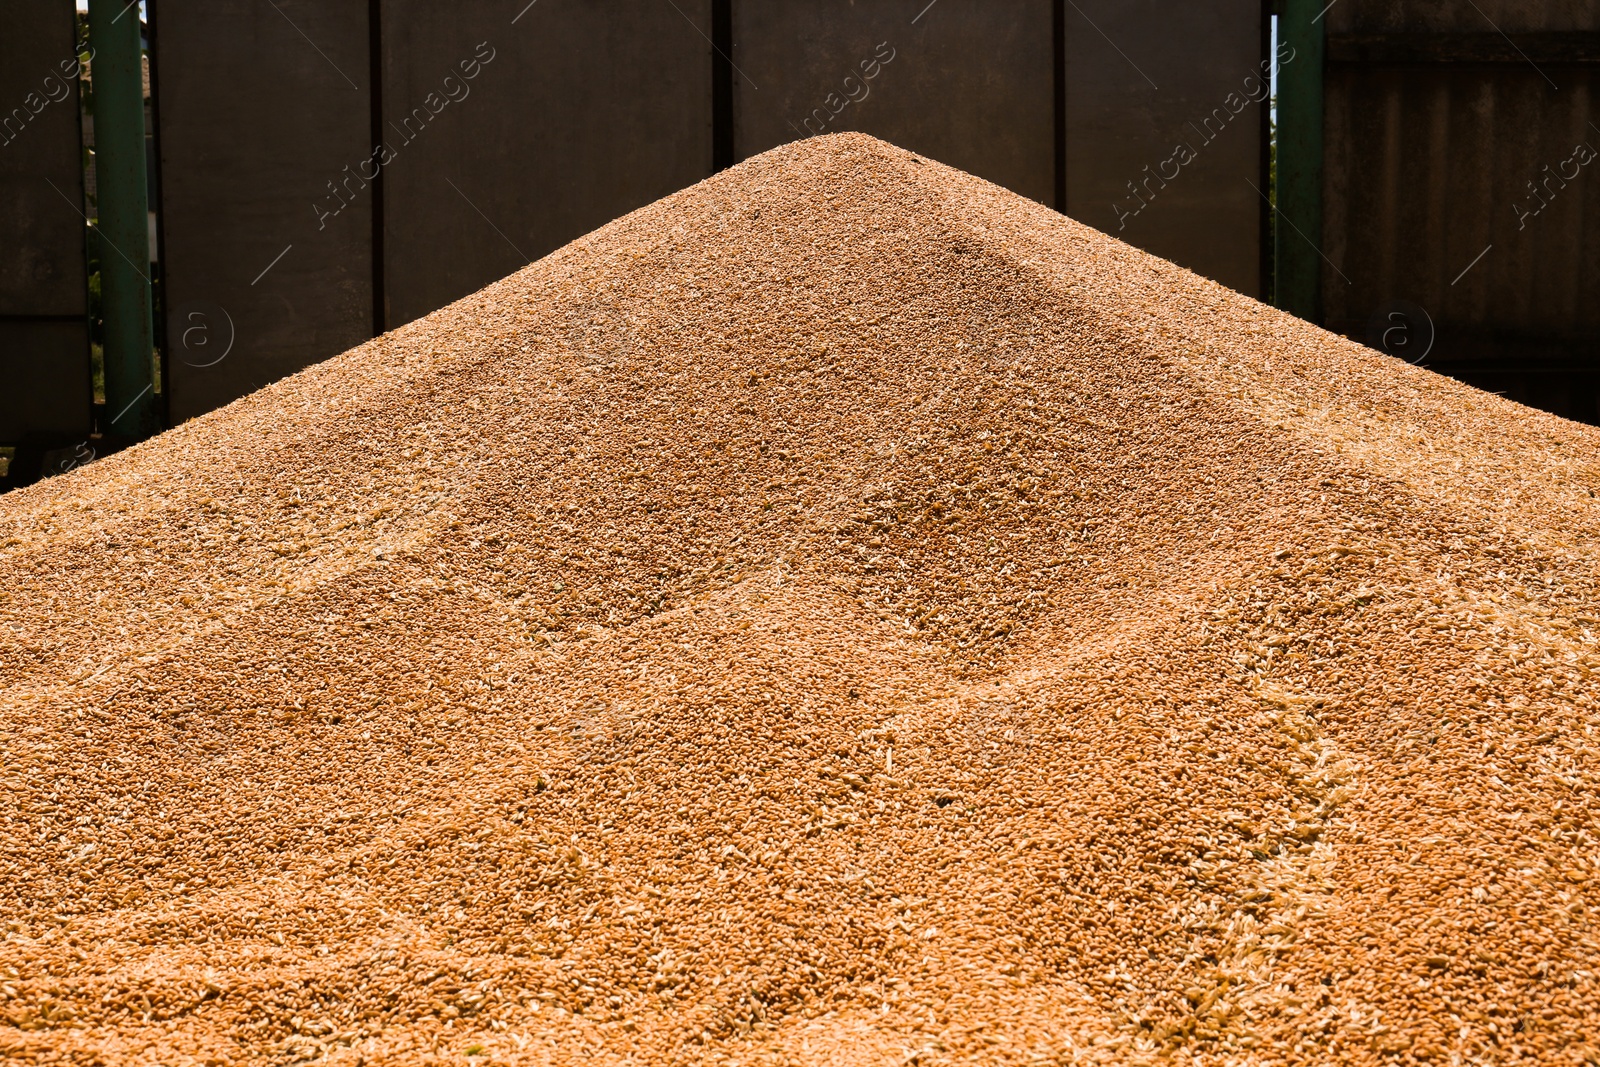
[(841, 613)]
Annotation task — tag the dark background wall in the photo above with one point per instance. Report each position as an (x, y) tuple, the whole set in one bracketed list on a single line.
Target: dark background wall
[(44, 332), (1436, 123), (261, 106), (1148, 76), (506, 129), (581, 110), (803, 68), (305, 212)]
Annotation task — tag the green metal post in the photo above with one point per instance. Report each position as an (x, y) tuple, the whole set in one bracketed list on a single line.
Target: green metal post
[(119, 171), (1301, 38)]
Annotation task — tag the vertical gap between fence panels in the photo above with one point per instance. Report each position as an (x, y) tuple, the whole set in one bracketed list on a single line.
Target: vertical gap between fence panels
[(122, 197), (1266, 178), (380, 297), (160, 309), (97, 412), (721, 84), (1058, 42)]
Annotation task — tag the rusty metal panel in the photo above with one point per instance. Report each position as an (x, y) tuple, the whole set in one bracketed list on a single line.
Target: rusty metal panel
[(44, 332), (965, 82), (1164, 130), (1466, 187), (514, 129), (264, 109)]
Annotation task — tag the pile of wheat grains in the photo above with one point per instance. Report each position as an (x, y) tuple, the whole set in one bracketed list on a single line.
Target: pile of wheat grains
[(841, 613)]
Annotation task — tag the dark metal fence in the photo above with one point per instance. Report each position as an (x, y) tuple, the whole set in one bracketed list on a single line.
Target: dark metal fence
[(333, 168), (1462, 191), (44, 331)]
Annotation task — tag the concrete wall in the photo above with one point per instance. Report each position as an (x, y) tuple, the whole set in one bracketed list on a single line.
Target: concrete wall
[(262, 107), (1151, 84), (44, 333), (576, 113), (968, 82)]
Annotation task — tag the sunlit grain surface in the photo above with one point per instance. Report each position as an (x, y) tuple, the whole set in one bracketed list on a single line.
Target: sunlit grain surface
[(841, 613)]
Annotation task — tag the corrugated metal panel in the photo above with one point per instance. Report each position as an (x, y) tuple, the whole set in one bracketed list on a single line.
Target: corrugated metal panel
[(1464, 177)]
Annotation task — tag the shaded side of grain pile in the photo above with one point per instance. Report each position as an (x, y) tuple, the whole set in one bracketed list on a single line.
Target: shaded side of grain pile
[(841, 613)]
